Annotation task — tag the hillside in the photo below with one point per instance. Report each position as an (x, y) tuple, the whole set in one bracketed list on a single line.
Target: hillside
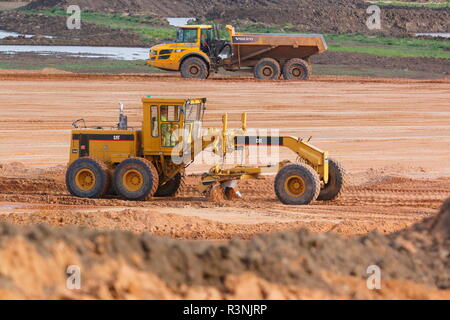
[(309, 15)]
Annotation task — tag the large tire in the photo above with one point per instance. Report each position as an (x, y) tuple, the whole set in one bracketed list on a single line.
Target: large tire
[(267, 69), (136, 179), (297, 184), (194, 68), (296, 69), (87, 178), (336, 181), (170, 188)]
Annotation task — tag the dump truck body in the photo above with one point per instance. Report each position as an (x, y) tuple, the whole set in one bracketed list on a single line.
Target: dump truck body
[(198, 52), (249, 48)]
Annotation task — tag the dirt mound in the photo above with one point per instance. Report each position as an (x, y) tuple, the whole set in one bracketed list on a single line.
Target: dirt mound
[(423, 67), (338, 19), (123, 265), (39, 24), (309, 15), (183, 7)]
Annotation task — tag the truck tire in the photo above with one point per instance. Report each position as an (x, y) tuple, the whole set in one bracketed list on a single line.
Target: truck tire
[(194, 68), (87, 178), (297, 184), (267, 69), (333, 189), (296, 69), (136, 179), (170, 188)]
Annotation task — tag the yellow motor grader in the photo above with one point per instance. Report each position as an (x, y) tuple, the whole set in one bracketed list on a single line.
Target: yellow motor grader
[(139, 163)]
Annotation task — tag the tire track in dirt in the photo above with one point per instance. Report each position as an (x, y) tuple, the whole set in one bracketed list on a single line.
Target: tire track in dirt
[(385, 204)]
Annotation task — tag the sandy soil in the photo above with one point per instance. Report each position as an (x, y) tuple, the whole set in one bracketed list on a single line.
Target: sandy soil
[(414, 264), (392, 136)]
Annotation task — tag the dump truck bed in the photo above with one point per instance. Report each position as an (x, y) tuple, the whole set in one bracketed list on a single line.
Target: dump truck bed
[(250, 48), (316, 42)]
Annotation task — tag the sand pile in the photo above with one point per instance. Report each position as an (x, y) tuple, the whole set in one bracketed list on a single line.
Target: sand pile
[(415, 263)]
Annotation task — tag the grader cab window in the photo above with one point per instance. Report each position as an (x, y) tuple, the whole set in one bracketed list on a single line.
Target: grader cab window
[(192, 112), (154, 117), (187, 35), (169, 116), (170, 113)]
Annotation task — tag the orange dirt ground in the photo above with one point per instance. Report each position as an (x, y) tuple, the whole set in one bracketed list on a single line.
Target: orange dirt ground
[(392, 136)]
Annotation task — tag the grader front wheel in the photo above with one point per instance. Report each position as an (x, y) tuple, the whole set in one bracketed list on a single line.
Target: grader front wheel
[(333, 188), (136, 179), (87, 178), (297, 184)]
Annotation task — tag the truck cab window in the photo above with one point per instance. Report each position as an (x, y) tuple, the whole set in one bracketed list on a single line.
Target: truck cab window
[(187, 35), (206, 39)]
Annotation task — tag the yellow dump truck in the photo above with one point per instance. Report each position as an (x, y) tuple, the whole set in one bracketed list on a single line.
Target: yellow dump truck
[(198, 51)]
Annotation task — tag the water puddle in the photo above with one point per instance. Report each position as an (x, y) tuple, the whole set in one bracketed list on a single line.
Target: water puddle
[(178, 22), (5, 34), (115, 53), (437, 35), (11, 206)]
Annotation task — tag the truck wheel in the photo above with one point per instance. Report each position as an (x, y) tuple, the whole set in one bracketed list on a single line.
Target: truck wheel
[(333, 188), (297, 184), (136, 179), (194, 68), (267, 69), (296, 69), (170, 188), (87, 178)]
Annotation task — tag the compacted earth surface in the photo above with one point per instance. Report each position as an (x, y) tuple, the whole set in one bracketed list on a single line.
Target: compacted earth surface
[(392, 137)]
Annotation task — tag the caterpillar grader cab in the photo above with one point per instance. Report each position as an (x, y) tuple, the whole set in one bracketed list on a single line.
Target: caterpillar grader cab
[(150, 161), (199, 51)]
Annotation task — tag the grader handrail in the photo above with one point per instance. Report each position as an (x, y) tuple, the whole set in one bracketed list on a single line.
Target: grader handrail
[(313, 156)]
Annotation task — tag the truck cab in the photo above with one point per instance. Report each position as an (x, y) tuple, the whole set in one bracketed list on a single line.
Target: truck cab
[(190, 42), (196, 51)]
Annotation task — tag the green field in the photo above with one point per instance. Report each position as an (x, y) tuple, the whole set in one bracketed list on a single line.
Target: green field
[(152, 31), (149, 28), (440, 5), (376, 45)]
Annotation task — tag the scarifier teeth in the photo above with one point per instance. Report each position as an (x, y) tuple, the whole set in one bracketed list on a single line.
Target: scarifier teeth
[(215, 193), (232, 194)]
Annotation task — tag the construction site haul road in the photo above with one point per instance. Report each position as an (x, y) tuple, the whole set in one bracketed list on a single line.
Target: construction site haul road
[(394, 147), (391, 136)]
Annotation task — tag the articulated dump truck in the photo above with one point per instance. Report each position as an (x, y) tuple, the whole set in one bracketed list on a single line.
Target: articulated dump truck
[(198, 51), (141, 163)]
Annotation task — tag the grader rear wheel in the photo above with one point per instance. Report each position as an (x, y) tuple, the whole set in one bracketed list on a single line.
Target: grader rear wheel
[(170, 188), (136, 179), (87, 178), (333, 188), (297, 184)]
